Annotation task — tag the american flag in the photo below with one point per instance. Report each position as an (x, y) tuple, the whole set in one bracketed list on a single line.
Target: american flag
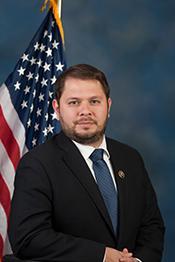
[(26, 115)]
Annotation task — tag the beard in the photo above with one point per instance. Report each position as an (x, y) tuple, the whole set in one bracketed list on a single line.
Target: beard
[(89, 137)]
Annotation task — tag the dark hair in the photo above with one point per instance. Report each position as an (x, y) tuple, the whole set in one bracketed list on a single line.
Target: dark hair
[(81, 71)]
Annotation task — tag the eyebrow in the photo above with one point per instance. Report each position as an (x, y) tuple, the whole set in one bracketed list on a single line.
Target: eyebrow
[(79, 98)]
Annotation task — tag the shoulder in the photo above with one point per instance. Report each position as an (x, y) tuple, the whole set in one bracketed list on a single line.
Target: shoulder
[(42, 161), (123, 151), (43, 149), (117, 145), (53, 148)]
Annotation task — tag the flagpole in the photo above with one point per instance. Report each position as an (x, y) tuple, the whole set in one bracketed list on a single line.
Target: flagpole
[(59, 8), (56, 9)]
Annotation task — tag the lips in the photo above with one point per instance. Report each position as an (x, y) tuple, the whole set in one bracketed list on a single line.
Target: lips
[(85, 122)]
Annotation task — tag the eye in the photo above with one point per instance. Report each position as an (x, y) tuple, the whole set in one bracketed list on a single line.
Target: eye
[(73, 102), (94, 101)]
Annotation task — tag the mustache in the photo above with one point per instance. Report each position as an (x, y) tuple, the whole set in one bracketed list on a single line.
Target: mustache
[(85, 120)]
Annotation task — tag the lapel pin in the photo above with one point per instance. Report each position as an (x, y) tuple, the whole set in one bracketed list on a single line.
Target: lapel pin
[(121, 174)]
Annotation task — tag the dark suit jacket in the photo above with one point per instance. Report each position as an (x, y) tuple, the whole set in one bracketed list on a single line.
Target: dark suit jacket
[(58, 213)]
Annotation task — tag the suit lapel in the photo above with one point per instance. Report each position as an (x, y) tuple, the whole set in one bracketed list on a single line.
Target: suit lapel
[(74, 161)]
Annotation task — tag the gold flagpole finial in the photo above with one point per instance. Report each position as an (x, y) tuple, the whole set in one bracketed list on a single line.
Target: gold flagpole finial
[(55, 9)]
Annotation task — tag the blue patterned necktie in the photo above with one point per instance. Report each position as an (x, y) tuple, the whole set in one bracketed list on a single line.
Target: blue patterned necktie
[(105, 184)]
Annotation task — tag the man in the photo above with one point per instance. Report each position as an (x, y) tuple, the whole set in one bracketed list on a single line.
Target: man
[(70, 206)]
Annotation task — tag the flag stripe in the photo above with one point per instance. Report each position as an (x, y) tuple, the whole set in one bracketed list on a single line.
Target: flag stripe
[(1, 246), (6, 168), (3, 224), (7, 174), (9, 140), (4, 196)]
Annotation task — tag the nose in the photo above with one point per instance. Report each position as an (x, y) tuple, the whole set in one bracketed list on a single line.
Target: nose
[(85, 109)]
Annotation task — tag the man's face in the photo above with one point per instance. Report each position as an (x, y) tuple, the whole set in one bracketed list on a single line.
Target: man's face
[(83, 111)]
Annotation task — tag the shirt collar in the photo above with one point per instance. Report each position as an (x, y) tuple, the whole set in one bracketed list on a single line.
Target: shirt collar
[(86, 150)]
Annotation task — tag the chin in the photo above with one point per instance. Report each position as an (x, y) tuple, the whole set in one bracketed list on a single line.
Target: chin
[(86, 130), (85, 133)]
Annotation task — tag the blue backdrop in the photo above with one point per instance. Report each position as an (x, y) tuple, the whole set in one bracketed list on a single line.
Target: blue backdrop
[(133, 42)]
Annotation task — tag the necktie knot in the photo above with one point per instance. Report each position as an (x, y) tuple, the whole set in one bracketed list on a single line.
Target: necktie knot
[(96, 155)]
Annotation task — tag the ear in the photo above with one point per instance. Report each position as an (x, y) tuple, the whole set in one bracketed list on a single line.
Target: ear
[(109, 105), (56, 107)]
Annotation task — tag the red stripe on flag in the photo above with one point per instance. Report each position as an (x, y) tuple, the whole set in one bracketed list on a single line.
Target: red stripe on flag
[(4, 196), (9, 140), (1, 247)]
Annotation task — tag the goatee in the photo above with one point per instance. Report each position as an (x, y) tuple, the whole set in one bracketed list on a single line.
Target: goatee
[(85, 139)]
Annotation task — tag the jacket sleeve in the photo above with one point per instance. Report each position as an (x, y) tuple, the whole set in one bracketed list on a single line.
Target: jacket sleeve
[(150, 239), (31, 233)]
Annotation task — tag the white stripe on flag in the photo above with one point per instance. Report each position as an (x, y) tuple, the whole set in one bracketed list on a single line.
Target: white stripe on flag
[(3, 224), (6, 169)]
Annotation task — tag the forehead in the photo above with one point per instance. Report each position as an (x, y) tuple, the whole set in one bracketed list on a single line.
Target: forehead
[(75, 86)]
